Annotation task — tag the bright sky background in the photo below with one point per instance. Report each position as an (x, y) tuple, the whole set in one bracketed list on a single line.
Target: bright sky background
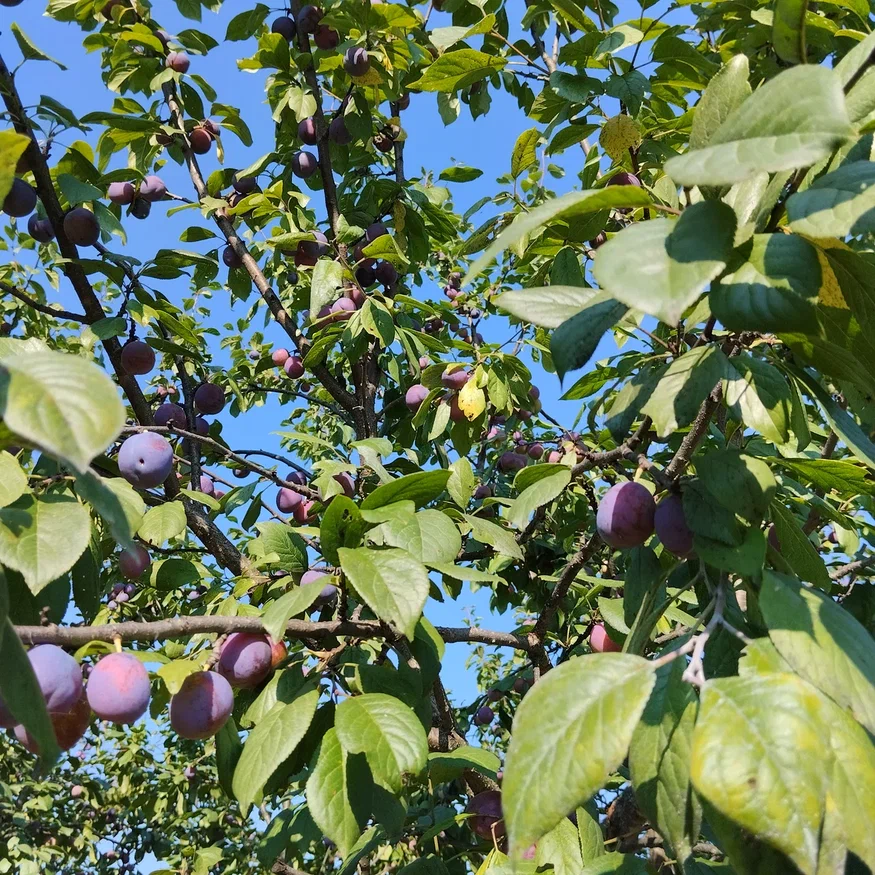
[(485, 143)]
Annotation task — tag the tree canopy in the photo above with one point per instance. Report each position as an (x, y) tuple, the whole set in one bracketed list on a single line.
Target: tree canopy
[(216, 658)]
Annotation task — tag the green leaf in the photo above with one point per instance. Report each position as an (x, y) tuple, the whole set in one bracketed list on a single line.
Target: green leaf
[(792, 121), (13, 481), (28, 50), (684, 386), (843, 425), (278, 613), (377, 321), (116, 501), (758, 758), (616, 864), (462, 482), (228, 750), (494, 535), (835, 205), (575, 203), (109, 327), (741, 483), (430, 536), (456, 70), (797, 549), (759, 395), (574, 342), (661, 266), (245, 24), (281, 540), (788, 30), (831, 475), (460, 173), (629, 88), (548, 306), (63, 404), (12, 146), (823, 643), (328, 791), (420, 488), (341, 526), (327, 280), (460, 572), (387, 732), (539, 493), (659, 760), (446, 767), (20, 692), (774, 290), (745, 558), (77, 191), (42, 538), (393, 584), (525, 152), (163, 523), (270, 743), (552, 765), (560, 848), (725, 93)]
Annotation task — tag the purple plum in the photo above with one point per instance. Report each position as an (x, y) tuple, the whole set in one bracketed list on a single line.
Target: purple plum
[(671, 526), (287, 500), (202, 706), (118, 688), (486, 820), (21, 199), (415, 396), (132, 563), (294, 367), (152, 189), (455, 378), (121, 193), (59, 677), (138, 358), (245, 660), (625, 515), (209, 398), (170, 414), (145, 460), (81, 227)]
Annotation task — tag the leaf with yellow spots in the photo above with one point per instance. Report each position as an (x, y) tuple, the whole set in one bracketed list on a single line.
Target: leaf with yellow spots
[(472, 400), (829, 293)]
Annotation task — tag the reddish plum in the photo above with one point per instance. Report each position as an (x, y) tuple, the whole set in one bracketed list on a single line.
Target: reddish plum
[(138, 358), (625, 515), (202, 706), (245, 660), (486, 820), (601, 642), (118, 688), (294, 367), (132, 563), (671, 526)]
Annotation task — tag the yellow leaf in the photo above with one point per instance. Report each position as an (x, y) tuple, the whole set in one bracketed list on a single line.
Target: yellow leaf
[(472, 400)]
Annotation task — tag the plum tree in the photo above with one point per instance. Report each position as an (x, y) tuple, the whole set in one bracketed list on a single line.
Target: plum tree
[(202, 706), (671, 527), (601, 641), (245, 659), (209, 398), (134, 562), (145, 460), (21, 199), (626, 514), (118, 688), (138, 357), (81, 227)]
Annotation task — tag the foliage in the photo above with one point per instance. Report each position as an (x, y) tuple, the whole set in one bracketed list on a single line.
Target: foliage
[(717, 239)]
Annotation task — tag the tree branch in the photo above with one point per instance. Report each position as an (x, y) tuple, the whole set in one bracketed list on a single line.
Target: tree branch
[(182, 627), (694, 435), (43, 308)]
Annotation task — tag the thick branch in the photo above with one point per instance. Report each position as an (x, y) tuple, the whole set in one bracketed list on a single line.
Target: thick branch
[(182, 627), (695, 434)]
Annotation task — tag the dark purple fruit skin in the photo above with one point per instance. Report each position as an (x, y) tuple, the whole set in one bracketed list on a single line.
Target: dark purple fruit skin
[(21, 199), (140, 208), (285, 27), (231, 258), (308, 19), (326, 38), (404, 101), (774, 541), (382, 143), (624, 178), (386, 273), (625, 515), (338, 132), (304, 164), (365, 276), (484, 716), (209, 398), (138, 358), (211, 127), (356, 61), (487, 820), (308, 131), (202, 706), (245, 660), (201, 141), (671, 526), (81, 227), (375, 230), (170, 414), (132, 563), (40, 229), (245, 184)]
